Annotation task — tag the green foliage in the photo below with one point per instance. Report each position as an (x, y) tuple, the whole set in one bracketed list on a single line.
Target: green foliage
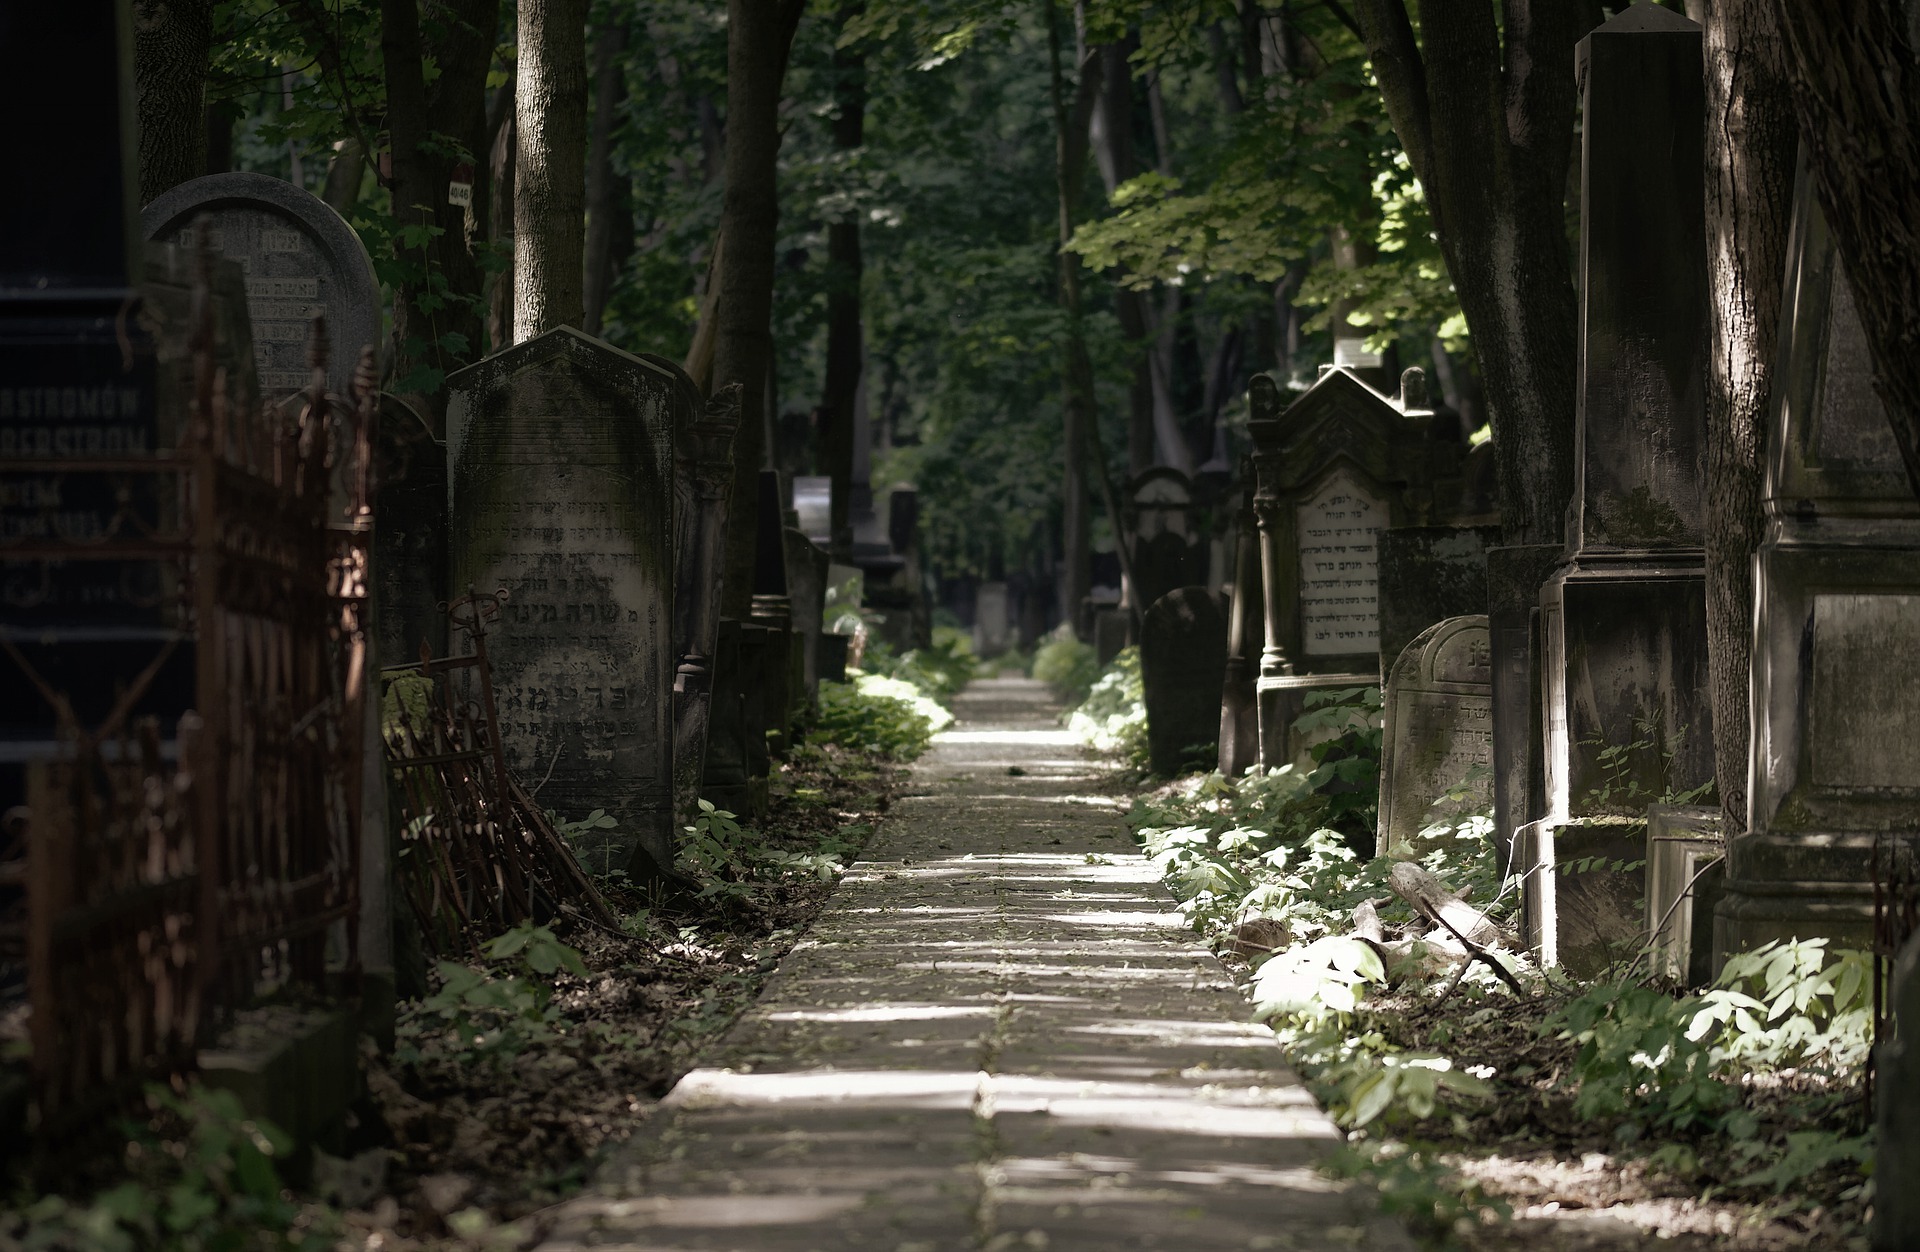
[(1640, 773), (728, 859), (938, 671), (493, 1015), (1343, 731), (1113, 717), (203, 1178), (885, 716), (1415, 1187), (1068, 666)]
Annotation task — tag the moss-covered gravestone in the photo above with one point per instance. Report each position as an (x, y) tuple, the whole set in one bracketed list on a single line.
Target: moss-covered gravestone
[(1439, 729), (560, 453)]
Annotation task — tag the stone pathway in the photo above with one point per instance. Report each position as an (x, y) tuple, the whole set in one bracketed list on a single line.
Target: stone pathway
[(1000, 1035)]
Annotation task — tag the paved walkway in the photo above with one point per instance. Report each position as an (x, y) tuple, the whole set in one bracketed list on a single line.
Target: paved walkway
[(999, 1036)]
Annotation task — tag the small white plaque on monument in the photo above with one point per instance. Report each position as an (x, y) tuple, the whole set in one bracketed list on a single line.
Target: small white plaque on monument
[(1339, 532)]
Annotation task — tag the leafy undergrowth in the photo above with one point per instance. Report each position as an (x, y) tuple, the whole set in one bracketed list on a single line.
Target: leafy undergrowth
[(1564, 1114)]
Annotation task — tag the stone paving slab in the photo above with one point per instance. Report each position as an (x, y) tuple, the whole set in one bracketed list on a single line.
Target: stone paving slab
[(999, 1036)]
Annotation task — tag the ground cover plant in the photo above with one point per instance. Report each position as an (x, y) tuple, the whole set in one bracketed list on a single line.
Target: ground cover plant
[(1494, 1104), (518, 1069)]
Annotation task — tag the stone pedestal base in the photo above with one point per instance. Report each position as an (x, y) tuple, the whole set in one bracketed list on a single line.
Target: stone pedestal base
[(1282, 699)]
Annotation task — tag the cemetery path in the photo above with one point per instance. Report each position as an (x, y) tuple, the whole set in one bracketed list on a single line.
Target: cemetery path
[(1000, 1035)]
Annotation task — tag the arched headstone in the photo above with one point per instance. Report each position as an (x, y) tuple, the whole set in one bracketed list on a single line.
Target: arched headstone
[(1439, 727)]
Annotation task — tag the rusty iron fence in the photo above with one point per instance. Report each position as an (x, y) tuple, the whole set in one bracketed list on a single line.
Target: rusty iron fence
[(477, 856), (162, 894)]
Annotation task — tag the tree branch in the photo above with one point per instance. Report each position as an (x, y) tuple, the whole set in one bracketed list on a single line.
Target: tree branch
[(1388, 33)]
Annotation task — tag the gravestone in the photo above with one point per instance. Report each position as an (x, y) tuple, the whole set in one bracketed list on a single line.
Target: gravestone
[(1183, 661), (1341, 464), (1162, 535), (806, 591), (992, 627), (1428, 574), (561, 458), (1836, 645), (703, 490), (1685, 873), (1239, 703), (409, 565), (757, 666), (1514, 578), (724, 780), (813, 501), (1624, 679), (773, 610), (299, 258), (1438, 729)]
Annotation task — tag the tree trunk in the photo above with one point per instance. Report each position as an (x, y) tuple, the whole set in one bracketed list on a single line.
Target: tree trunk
[(1078, 407), (1751, 137), (1857, 92), (549, 177), (1489, 133), (171, 42), (500, 220), (345, 171), (436, 321), (845, 267), (759, 38), (603, 202)]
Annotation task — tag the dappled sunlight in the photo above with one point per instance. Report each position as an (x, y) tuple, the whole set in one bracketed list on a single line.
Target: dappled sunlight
[(1014, 739)]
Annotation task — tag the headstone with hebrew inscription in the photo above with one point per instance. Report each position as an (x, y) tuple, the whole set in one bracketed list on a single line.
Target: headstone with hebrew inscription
[(1334, 469), (299, 260), (1438, 739), (1836, 647), (561, 459)]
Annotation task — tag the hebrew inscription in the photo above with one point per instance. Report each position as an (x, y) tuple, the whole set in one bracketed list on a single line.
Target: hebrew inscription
[(1339, 529)]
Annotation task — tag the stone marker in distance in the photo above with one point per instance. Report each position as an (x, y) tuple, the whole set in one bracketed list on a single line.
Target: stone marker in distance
[(1183, 662)]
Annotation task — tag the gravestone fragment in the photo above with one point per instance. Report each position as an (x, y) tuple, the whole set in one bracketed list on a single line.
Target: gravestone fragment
[(560, 454), (1438, 737), (1341, 464), (1183, 661), (1428, 574), (300, 260), (1685, 871), (1163, 538), (1834, 774)]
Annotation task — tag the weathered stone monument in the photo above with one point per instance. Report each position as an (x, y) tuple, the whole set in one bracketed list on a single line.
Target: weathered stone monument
[(1836, 646), (1163, 539), (1428, 574), (299, 258), (1340, 465), (561, 459), (1438, 728), (1183, 661), (703, 487), (1685, 872), (1239, 702), (1624, 683)]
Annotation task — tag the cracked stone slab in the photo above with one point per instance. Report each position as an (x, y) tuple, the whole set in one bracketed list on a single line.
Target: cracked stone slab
[(999, 1035)]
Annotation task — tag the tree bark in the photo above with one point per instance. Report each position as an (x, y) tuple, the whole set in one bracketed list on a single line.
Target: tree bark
[(1857, 93), (759, 38), (500, 220), (845, 267), (1751, 137), (1078, 407), (1489, 132), (437, 324), (549, 177), (171, 43), (603, 202)]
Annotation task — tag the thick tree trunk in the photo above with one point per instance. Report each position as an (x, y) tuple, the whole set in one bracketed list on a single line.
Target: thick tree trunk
[(1858, 98), (1489, 133), (1751, 137), (433, 335), (1078, 407), (500, 220), (603, 199), (171, 41), (759, 38), (845, 267), (549, 177)]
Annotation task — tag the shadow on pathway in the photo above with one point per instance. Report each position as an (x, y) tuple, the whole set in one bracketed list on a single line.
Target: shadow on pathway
[(1000, 1035)]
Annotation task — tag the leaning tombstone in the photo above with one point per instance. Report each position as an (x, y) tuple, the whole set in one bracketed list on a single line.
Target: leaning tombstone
[(1183, 661), (1835, 773), (1428, 574), (301, 260), (560, 454), (1438, 736), (1624, 675), (1239, 710), (1341, 464)]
